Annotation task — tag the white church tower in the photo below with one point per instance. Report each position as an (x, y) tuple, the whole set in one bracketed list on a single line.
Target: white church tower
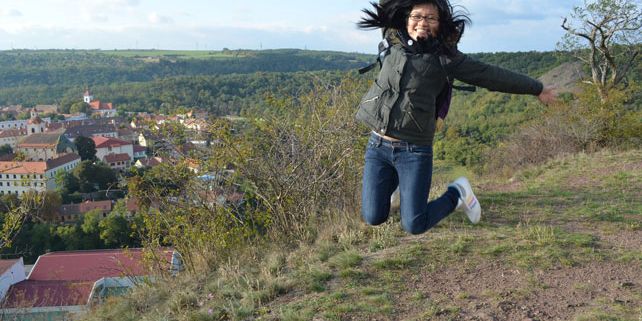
[(88, 97), (35, 125)]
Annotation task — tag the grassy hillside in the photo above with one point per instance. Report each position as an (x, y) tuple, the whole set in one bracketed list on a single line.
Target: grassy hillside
[(562, 241)]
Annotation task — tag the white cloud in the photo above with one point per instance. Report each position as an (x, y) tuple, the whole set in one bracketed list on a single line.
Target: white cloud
[(155, 18), (10, 13)]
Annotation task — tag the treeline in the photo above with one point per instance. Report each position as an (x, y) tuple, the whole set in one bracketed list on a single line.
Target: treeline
[(230, 82), (80, 68), (218, 94)]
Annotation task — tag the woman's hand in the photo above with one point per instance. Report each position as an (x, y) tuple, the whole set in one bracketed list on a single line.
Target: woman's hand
[(548, 95)]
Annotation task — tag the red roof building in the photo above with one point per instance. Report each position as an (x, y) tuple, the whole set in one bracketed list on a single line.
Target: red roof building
[(70, 281), (117, 153), (89, 265), (38, 294), (105, 142), (98, 105), (73, 212)]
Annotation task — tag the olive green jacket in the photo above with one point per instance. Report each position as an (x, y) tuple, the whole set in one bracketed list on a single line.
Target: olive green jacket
[(401, 103)]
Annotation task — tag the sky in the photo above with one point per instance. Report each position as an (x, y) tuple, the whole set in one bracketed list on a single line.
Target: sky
[(498, 25)]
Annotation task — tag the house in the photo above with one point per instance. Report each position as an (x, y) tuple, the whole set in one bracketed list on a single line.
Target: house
[(47, 109), (92, 130), (196, 124), (105, 110), (148, 139), (139, 152), (11, 137), (35, 123), (75, 212), (11, 272), (127, 134), (149, 162), (116, 153), (20, 177), (64, 284), (45, 146)]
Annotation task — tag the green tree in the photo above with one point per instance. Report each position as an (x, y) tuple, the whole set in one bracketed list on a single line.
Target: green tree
[(604, 34), (72, 236), (91, 229), (94, 176), (67, 183), (79, 107), (5, 150), (86, 148), (115, 230)]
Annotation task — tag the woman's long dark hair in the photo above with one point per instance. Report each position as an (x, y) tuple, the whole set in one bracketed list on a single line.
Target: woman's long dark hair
[(393, 14)]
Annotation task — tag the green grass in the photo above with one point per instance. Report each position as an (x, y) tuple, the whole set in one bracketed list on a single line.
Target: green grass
[(363, 273)]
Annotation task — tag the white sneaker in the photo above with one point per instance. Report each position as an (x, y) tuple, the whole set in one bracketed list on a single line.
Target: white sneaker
[(467, 201), (395, 202)]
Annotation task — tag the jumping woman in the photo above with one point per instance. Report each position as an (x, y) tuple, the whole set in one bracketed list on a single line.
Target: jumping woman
[(401, 109)]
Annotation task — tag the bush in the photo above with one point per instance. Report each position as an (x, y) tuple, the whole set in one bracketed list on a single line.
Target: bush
[(584, 124), (290, 167)]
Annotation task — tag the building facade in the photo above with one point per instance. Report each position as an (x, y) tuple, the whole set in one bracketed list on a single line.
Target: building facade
[(20, 177)]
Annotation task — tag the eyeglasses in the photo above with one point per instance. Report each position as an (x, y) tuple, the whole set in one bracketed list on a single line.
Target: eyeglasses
[(429, 19)]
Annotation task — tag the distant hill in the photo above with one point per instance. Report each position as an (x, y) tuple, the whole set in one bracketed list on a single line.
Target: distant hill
[(222, 82), (564, 77)]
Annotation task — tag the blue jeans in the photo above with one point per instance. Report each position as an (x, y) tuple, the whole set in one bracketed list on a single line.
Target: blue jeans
[(390, 164)]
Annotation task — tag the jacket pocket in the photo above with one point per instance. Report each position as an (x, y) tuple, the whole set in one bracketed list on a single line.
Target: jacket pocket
[(408, 113), (371, 103)]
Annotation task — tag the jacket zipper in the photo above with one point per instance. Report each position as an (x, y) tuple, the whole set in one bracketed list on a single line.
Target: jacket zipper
[(415, 121), (409, 112), (371, 99)]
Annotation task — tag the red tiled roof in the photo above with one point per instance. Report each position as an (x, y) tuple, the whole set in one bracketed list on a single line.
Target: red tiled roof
[(90, 265), (111, 158), (98, 105), (77, 209), (11, 167), (89, 205), (104, 142), (36, 120), (151, 162), (138, 149), (23, 167), (13, 133), (33, 294), (5, 265)]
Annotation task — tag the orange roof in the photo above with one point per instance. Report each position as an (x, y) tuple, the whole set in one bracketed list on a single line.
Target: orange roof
[(89, 205), (111, 158), (23, 167), (35, 167), (97, 105)]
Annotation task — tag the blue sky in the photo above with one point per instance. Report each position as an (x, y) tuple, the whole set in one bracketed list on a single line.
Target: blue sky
[(498, 25)]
